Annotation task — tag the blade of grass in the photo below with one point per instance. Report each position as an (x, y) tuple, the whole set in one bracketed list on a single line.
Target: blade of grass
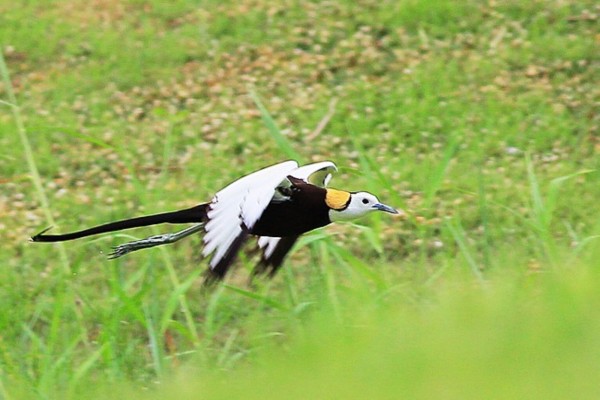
[(282, 142), (371, 237), (437, 177), (544, 207), (83, 368), (129, 303), (178, 295), (582, 244), (355, 264), (226, 349), (368, 167), (483, 213), (154, 343), (175, 299), (73, 133), (30, 159), (185, 308), (211, 317), (458, 234), (311, 237), (268, 301), (553, 192), (324, 249), (291, 286), (536, 196)]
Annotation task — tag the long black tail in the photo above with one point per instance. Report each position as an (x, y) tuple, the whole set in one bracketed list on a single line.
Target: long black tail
[(189, 215)]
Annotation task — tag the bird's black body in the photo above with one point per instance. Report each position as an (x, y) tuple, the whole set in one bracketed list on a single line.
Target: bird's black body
[(303, 210)]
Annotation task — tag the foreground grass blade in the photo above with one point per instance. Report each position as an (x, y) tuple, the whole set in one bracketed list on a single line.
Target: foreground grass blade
[(458, 234), (268, 301)]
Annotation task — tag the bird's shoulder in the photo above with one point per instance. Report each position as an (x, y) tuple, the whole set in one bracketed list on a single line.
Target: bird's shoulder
[(296, 188), (299, 190)]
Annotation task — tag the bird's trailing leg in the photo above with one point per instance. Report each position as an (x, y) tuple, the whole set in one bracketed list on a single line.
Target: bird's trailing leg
[(152, 241)]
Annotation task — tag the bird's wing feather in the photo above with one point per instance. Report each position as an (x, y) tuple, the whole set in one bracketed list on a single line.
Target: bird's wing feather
[(260, 194), (267, 245), (240, 204), (274, 249), (318, 174)]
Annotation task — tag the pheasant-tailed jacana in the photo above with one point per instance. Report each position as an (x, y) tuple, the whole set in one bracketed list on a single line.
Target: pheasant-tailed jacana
[(278, 204)]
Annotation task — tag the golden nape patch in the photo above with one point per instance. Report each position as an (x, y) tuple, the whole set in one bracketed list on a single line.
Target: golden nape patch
[(337, 199)]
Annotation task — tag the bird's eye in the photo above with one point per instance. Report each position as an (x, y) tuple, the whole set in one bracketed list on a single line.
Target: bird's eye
[(365, 201)]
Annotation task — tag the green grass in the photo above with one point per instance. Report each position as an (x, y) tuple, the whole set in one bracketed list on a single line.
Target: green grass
[(479, 120)]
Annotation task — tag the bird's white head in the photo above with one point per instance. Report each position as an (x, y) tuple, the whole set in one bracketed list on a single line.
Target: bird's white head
[(345, 206)]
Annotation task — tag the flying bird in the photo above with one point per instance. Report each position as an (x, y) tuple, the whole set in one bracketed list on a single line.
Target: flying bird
[(277, 203)]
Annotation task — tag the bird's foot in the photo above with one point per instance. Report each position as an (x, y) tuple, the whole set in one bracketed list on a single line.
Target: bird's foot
[(128, 247)]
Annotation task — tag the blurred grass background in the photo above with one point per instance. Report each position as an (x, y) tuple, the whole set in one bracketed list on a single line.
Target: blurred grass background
[(479, 119)]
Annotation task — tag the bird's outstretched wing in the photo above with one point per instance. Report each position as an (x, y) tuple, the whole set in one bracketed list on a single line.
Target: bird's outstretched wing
[(235, 209), (274, 249), (318, 174)]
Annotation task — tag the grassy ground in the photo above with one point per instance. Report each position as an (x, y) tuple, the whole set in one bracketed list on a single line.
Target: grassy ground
[(479, 119)]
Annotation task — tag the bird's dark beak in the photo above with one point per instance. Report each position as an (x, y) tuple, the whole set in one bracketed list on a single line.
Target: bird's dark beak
[(383, 207)]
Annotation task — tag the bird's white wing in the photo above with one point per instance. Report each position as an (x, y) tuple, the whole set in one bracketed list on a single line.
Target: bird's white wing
[(274, 250), (240, 203), (260, 194), (268, 245), (318, 174)]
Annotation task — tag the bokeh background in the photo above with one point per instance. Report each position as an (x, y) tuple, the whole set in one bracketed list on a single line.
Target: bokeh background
[(479, 119)]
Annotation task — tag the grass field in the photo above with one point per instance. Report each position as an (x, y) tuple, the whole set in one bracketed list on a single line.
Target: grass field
[(479, 119)]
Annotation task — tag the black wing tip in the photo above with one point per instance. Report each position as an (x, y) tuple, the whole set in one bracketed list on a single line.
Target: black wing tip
[(269, 266), (212, 278), (40, 237), (264, 267), (217, 272)]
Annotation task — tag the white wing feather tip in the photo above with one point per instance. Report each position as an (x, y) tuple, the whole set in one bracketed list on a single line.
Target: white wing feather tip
[(317, 173), (268, 245)]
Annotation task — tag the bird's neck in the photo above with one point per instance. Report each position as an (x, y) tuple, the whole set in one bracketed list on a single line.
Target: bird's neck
[(337, 199)]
